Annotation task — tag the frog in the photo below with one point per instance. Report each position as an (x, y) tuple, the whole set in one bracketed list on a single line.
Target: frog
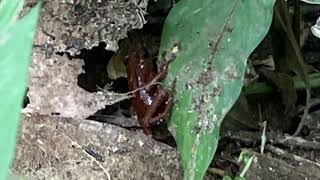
[(151, 101)]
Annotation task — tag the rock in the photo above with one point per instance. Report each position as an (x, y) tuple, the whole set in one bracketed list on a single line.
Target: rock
[(68, 27), (62, 148)]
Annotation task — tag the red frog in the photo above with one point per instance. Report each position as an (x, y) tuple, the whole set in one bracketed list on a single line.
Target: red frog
[(151, 101)]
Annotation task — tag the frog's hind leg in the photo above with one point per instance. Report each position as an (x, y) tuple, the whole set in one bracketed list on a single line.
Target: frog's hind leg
[(166, 112), (148, 119)]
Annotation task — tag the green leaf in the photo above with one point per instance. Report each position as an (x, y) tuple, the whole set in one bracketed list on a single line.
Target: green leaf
[(9, 11), (247, 159), (215, 39), (15, 49)]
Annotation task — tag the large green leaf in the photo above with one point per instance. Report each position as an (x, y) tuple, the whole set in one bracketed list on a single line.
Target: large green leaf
[(15, 47), (215, 39)]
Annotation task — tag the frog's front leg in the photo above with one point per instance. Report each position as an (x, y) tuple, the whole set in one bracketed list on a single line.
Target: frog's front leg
[(163, 71)]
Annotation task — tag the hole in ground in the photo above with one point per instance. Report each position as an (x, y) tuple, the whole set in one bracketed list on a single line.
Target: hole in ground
[(96, 76), (95, 67)]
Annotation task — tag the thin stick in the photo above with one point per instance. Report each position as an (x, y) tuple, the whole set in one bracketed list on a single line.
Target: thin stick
[(82, 149)]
